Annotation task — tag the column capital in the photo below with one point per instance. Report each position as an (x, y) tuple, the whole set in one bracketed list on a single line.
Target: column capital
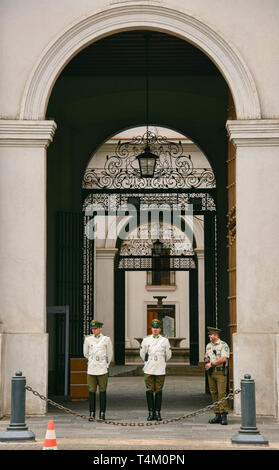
[(106, 253), (199, 252), (254, 132), (25, 133)]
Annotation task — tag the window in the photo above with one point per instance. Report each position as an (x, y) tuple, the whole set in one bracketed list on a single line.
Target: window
[(160, 265)]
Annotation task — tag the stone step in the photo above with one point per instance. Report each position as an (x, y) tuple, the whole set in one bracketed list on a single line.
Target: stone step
[(172, 369), (122, 371)]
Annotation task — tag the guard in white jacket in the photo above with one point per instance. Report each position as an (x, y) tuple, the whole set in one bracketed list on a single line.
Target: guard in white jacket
[(155, 350), (97, 348)]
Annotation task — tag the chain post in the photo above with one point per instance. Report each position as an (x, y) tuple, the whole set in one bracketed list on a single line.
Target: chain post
[(17, 430), (248, 433)]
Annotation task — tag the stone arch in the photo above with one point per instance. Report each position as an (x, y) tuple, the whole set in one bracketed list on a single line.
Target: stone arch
[(195, 227), (122, 18)]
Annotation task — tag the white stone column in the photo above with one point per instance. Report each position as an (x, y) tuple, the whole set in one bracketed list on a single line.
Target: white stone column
[(23, 256), (104, 279), (257, 224), (201, 302)]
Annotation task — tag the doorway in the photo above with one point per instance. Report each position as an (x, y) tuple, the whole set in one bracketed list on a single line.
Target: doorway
[(167, 318)]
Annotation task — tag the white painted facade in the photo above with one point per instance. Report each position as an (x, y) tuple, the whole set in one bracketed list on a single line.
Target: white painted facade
[(38, 38)]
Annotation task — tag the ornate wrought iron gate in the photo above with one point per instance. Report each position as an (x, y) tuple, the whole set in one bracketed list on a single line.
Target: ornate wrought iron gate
[(75, 261), (203, 203), (69, 239)]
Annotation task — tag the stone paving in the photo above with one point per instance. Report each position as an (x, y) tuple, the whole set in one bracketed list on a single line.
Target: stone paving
[(126, 402)]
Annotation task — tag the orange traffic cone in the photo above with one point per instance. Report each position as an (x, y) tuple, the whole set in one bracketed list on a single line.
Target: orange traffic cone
[(50, 439)]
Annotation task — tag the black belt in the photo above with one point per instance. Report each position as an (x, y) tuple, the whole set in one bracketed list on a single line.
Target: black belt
[(219, 368)]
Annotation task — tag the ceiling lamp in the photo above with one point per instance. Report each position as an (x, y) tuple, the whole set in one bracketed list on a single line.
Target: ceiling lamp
[(147, 163)]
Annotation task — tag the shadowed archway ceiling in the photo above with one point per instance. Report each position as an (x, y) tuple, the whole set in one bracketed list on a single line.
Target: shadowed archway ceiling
[(124, 54), (102, 91)]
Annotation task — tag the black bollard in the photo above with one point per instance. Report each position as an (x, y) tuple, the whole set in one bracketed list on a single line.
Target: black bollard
[(17, 430), (248, 433)]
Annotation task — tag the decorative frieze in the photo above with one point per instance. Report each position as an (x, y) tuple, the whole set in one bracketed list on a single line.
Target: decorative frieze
[(109, 202)]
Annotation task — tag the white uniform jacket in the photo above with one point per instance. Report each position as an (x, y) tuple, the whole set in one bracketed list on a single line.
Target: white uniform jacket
[(157, 356), (98, 351)]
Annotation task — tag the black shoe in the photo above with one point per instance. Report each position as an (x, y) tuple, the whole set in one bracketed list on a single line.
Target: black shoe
[(158, 415), (217, 419), (150, 405), (92, 404), (103, 404), (224, 419)]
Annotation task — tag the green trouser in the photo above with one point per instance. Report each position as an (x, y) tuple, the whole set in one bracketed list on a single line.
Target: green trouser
[(217, 382), (97, 380), (154, 383)]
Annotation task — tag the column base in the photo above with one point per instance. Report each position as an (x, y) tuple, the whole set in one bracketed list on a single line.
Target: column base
[(253, 353), (249, 436), (12, 434)]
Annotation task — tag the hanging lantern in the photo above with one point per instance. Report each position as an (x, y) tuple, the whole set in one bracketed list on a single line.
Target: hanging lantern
[(147, 163)]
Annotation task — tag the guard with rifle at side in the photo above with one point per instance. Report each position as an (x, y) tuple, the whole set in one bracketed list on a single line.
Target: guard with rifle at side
[(155, 351), (216, 366)]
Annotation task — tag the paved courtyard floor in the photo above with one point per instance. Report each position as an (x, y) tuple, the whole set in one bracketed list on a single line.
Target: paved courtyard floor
[(126, 403)]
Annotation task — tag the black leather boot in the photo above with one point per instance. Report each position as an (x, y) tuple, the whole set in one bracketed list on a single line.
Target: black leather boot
[(217, 419), (150, 405), (158, 404), (224, 418), (103, 404), (92, 404)]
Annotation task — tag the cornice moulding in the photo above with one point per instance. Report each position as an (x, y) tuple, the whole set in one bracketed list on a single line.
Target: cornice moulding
[(166, 288), (25, 133), (254, 133), (108, 253)]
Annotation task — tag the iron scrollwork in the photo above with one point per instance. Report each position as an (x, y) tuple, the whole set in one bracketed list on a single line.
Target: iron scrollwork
[(173, 168), (113, 202), (144, 263)]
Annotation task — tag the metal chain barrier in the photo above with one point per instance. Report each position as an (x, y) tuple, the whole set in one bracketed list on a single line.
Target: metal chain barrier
[(123, 423)]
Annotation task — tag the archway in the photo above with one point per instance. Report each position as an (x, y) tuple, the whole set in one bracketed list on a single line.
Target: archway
[(79, 169), (189, 180), (195, 186), (131, 17)]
